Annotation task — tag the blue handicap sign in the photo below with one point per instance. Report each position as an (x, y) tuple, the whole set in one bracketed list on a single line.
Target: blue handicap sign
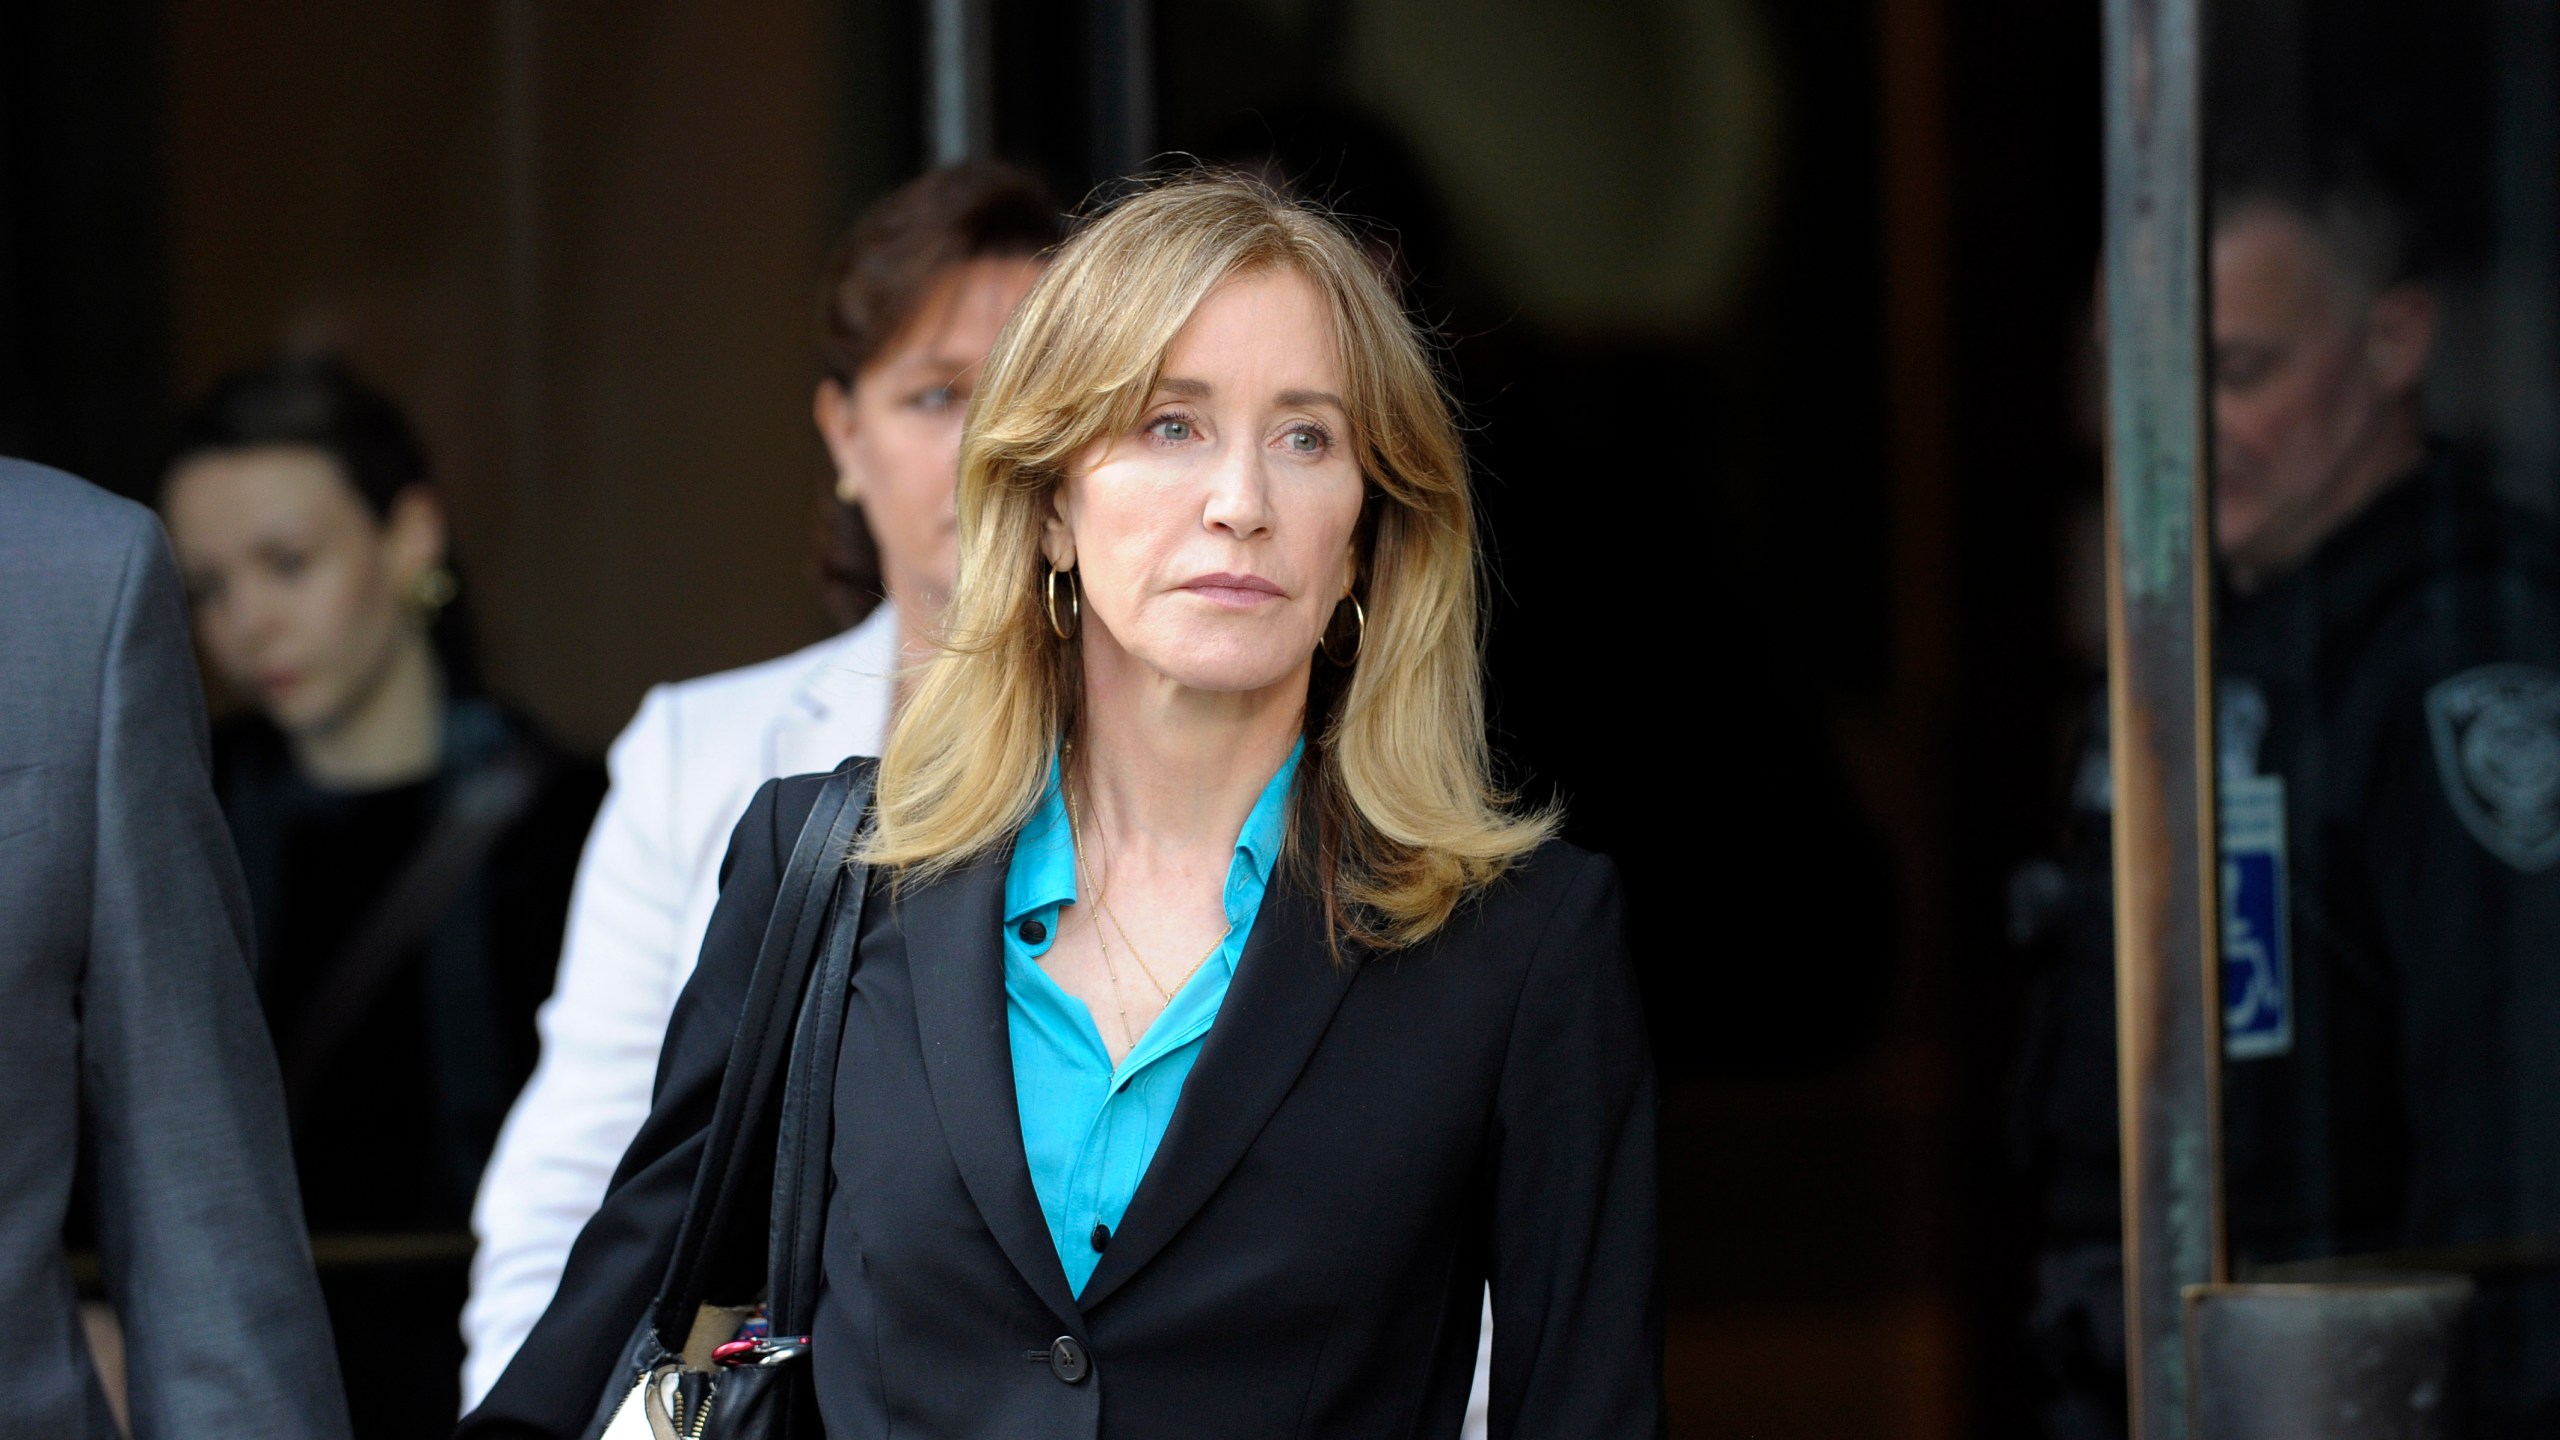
[(2257, 976)]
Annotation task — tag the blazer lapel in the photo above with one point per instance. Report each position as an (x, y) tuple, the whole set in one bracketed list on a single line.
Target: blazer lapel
[(1285, 991), (955, 959), (840, 704)]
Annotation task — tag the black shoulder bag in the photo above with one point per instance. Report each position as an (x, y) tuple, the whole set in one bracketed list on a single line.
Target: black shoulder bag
[(698, 1369)]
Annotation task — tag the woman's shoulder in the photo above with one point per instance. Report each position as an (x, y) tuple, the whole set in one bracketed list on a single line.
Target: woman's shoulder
[(568, 783), (1545, 946), (771, 823), (792, 797), (852, 669), (1557, 889), (1553, 869), (751, 873)]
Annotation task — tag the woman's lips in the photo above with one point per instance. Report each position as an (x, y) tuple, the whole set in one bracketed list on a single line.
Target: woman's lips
[(1237, 591)]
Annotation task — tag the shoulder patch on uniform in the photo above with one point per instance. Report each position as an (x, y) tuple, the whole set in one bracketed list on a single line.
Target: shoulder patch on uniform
[(2497, 740)]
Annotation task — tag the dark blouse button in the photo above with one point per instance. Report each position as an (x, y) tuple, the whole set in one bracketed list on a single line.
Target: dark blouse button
[(1032, 932), (1068, 1360), (1101, 1237)]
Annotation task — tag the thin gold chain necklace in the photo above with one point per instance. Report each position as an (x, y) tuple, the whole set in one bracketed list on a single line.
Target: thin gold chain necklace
[(1102, 899), (1075, 838), (1150, 971)]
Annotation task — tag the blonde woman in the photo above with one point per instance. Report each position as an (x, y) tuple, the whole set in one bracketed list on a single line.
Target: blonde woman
[(1218, 1030)]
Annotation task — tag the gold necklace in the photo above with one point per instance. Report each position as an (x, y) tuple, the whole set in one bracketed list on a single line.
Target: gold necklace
[(1075, 838), (1150, 971), (1102, 899)]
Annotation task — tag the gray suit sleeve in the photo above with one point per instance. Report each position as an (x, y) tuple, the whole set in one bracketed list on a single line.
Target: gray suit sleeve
[(199, 1221)]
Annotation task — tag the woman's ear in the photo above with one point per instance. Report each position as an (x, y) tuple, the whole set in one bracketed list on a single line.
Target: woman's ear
[(413, 536), (1057, 537), (832, 409)]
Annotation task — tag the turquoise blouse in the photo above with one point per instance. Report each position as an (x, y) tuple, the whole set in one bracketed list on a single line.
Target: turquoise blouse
[(1088, 1130)]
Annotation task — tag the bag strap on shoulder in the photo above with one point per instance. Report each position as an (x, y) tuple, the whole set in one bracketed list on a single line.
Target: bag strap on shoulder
[(806, 1129), (761, 1051)]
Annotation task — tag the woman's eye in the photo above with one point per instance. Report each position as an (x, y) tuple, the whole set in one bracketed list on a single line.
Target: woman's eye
[(288, 563), (940, 397), (1171, 428), (1305, 442)]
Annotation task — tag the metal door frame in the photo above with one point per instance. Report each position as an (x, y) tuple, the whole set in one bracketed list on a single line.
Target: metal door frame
[(2160, 692)]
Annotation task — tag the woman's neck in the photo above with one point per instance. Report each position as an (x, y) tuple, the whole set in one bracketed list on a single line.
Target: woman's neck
[(1170, 774), (393, 734)]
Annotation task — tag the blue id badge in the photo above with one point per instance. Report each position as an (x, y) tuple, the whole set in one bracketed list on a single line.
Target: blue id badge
[(2257, 964)]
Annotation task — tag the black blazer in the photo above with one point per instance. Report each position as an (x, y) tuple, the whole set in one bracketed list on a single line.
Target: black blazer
[(1357, 1152)]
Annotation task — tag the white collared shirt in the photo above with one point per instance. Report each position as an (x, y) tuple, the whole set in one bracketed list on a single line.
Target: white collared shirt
[(683, 772)]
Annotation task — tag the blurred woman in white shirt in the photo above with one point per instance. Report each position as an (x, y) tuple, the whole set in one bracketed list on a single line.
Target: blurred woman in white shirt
[(912, 302)]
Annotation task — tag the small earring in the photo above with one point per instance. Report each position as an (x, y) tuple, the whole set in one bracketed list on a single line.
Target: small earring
[(1359, 634), (1075, 606), (433, 590)]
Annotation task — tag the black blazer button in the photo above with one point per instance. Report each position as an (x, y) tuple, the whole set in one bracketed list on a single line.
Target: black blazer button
[(1068, 1360), (1032, 932), (1101, 1237)]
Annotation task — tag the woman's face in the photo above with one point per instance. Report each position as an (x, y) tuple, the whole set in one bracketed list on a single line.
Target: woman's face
[(301, 596), (896, 439), (1215, 540)]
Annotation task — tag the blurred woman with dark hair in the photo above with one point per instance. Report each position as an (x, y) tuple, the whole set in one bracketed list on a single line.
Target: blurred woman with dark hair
[(408, 842), (909, 308)]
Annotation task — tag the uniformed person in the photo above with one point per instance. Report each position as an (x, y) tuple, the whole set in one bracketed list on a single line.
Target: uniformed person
[(2387, 658)]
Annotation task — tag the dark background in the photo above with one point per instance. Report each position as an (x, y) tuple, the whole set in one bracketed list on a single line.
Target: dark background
[(1768, 320)]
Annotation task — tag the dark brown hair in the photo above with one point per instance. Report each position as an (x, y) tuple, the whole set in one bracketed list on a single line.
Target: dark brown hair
[(317, 401), (312, 400), (886, 264), (883, 269)]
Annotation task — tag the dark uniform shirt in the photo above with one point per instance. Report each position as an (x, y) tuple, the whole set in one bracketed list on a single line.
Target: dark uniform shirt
[(2388, 737)]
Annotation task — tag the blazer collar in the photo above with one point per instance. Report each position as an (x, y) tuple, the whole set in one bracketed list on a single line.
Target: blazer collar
[(1285, 991), (955, 958)]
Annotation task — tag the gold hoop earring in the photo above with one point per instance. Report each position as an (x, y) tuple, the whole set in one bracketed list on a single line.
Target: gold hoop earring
[(1359, 634), (1075, 606)]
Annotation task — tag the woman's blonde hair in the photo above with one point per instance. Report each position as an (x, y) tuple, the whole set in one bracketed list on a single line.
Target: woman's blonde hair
[(1396, 817)]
